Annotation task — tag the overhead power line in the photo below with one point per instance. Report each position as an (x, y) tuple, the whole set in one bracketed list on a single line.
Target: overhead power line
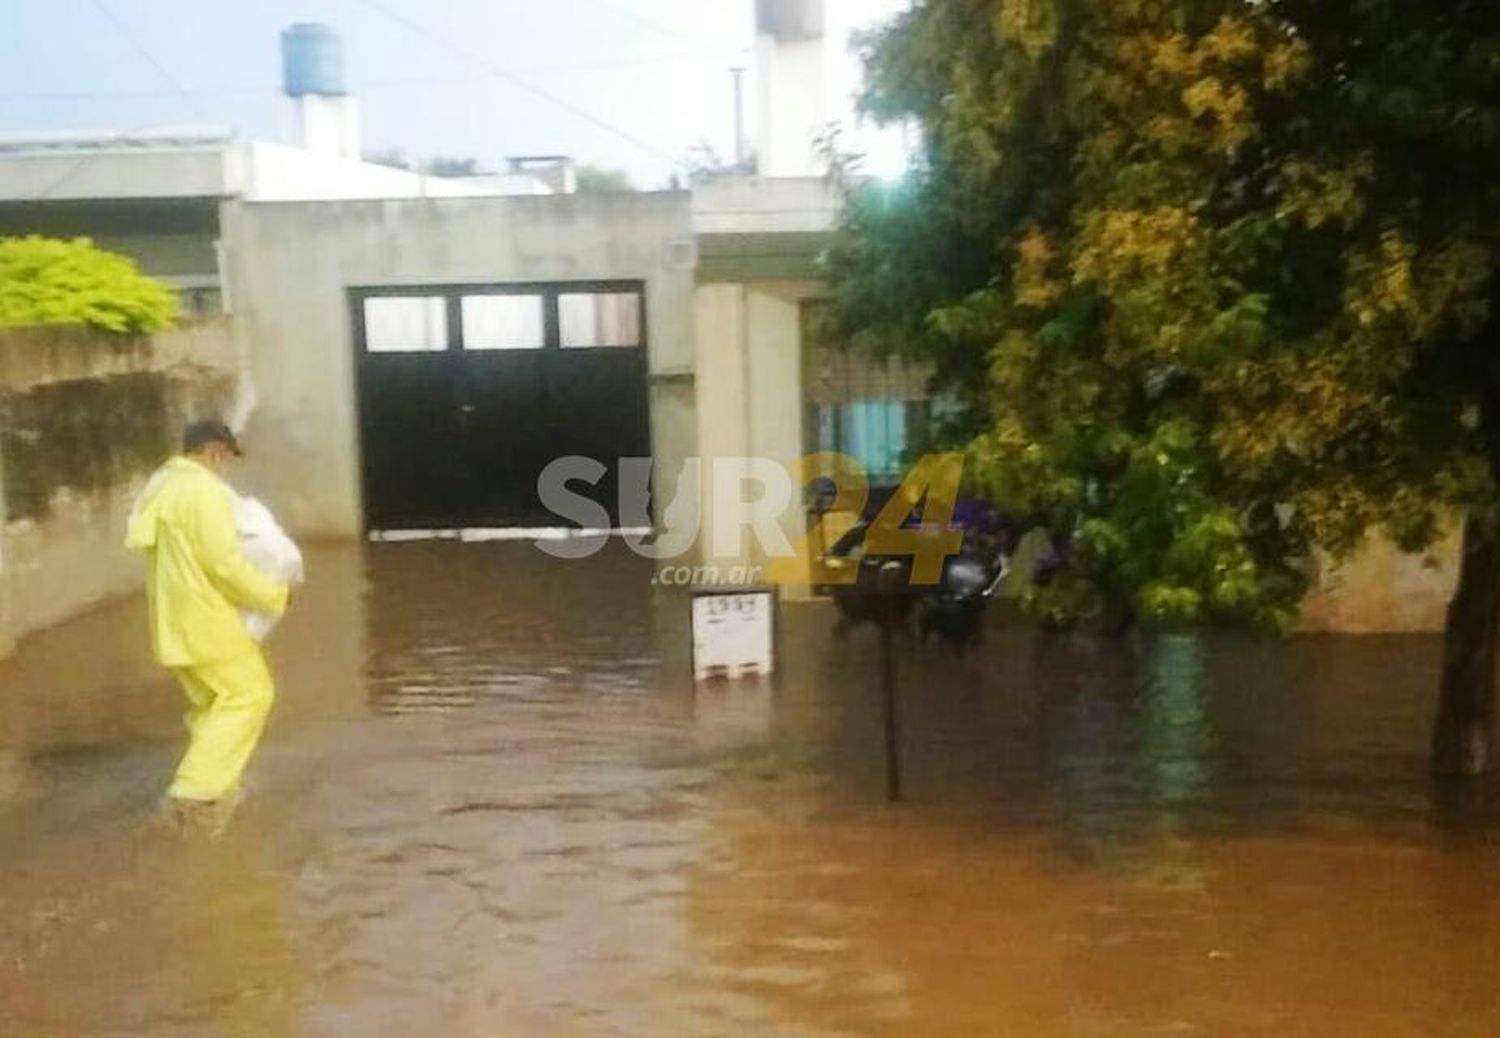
[(274, 90), (660, 28), (144, 52), (135, 43), (514, 80)]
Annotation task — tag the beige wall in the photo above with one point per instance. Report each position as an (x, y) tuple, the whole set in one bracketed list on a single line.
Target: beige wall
[(96, 172), (722, 381), (1381, 589), (290, 269), (749, 383), (71, 557), (75, 559)]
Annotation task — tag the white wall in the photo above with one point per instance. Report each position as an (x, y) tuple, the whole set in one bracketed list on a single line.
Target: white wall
[(263, 172), (195, 172), (326, 125), (255, 170), (761, 205), (794, 86)]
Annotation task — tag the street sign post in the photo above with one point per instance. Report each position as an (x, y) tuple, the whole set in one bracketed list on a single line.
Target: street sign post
[(891, 583)]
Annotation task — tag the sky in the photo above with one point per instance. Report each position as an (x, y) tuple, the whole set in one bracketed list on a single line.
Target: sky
[(627, 84)]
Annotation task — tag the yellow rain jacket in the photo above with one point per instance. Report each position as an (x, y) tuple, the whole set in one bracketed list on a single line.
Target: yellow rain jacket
[(198, 579)]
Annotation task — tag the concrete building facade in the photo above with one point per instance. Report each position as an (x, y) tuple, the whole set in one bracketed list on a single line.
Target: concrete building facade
[(286, 241), (292, 267), (156, 196)]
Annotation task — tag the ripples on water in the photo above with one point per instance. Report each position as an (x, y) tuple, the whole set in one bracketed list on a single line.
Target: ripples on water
[(494, 805)]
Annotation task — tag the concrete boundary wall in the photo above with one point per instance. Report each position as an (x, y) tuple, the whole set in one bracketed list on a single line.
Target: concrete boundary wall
[(84, 418), (1383, 590)]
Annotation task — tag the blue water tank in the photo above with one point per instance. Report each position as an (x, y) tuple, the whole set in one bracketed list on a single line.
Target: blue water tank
[(312, 61)]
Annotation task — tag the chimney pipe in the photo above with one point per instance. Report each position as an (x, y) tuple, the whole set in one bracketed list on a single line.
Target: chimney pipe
[(739, 117), (791, 68)]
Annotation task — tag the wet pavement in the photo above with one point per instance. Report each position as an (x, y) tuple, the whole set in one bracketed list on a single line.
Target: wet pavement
[(492, 803)]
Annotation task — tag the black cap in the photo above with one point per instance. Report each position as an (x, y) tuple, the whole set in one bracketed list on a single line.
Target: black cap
[(201, 433)]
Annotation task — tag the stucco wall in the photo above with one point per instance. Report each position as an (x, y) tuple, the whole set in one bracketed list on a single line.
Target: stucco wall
[(267, 172), (775, 382), (84, 418), (1382, 589), (290, 269), (723, 376), (749, 397), (96, 171)]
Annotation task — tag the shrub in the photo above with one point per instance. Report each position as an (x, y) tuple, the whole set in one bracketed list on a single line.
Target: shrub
[(47, 281)]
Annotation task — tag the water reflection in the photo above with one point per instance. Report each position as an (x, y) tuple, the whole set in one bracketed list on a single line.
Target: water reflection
[(453, 626), (1131, 748), (14, 779), (494, 803), (1177, 738)]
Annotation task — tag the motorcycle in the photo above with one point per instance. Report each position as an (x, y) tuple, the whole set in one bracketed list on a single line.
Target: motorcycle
[(951, 610)]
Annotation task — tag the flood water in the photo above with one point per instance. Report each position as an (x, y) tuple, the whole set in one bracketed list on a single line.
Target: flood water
[(492, 803)]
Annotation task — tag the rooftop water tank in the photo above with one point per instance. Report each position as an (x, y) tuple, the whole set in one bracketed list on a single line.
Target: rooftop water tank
[(789, 20), (312, 61)]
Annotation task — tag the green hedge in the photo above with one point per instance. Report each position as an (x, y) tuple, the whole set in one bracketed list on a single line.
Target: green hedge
[(47, 281)]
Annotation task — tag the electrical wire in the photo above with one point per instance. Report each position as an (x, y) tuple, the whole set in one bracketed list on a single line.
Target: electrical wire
[(269, 90), (515, 80), (655, 26), (144, 52), (191, 98)]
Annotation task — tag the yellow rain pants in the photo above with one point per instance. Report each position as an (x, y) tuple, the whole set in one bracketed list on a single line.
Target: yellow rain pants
[(198, 581), (227, 708)]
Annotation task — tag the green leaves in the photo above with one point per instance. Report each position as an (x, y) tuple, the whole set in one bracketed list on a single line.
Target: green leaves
[(44, 281), (1218, 277)]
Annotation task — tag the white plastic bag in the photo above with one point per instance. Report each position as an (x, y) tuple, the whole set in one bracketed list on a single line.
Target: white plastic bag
[(268, 549)]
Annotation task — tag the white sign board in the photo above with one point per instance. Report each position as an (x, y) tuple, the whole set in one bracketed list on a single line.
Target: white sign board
[(734, 633)]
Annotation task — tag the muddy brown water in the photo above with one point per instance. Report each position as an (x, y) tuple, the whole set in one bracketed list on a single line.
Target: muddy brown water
[(493, 804)]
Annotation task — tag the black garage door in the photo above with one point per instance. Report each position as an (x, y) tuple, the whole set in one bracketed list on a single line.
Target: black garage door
[(467, 393)]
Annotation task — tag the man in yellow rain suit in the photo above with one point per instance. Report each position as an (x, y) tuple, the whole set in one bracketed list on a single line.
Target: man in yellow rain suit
[(197, 583)]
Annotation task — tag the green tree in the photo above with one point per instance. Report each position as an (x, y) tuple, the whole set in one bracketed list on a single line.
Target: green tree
[(598, 180), (703, 163), (45, 281), (444, 166), (392, 157), (1216, 279), (439, 166)]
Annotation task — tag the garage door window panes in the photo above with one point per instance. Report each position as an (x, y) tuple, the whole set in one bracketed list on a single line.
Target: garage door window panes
[(406, 324), (503, 322), (590, 319)]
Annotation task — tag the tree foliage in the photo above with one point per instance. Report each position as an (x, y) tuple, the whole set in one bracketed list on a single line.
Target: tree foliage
[(703, 163), (46, 281), (452, 166), (437, 166), (395, 158), (596, 180), (1214, 276)]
